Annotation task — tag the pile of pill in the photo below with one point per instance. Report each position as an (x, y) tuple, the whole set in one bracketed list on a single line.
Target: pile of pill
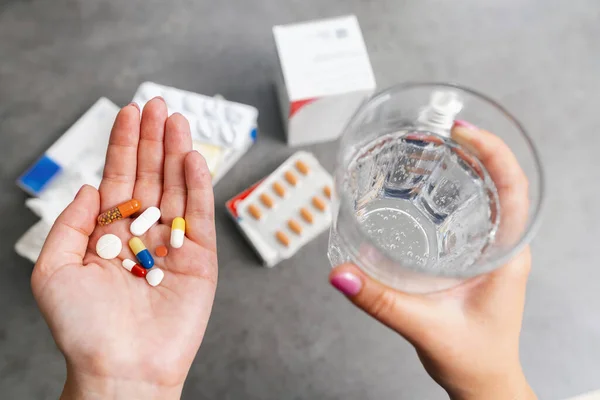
[(286, 210), (109, 246)]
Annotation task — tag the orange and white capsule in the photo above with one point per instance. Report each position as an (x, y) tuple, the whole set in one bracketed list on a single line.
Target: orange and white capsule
[(119, 212), (177, 232)]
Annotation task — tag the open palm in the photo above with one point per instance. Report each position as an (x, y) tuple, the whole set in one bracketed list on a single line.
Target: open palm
[(110, 324)]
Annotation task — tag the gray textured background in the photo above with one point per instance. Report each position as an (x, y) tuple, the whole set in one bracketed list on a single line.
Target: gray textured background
[(284, 333)]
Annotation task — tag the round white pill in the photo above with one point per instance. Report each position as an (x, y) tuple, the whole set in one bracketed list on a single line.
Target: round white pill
[(109, 246), (155, 276), (145, 221)]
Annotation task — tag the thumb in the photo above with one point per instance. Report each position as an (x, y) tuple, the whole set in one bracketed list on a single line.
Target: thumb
[(68, 239), (402, 312)]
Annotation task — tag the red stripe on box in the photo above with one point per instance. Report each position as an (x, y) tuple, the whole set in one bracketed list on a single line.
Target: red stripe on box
[(298, 104), (232, 203)]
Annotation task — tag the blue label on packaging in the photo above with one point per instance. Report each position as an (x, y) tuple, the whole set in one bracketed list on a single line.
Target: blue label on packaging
[(40, 173)]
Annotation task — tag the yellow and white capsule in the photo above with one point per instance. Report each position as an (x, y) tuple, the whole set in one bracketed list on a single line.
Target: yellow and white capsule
[(177, 232)]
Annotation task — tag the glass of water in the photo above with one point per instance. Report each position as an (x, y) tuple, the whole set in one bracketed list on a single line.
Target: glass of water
[(418, 211)]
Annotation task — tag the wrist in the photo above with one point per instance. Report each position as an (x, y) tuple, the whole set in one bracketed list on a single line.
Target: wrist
[(86, 387), (513, 387)]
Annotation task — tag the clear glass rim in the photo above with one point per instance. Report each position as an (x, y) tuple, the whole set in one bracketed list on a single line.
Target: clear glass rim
[(534, 220)]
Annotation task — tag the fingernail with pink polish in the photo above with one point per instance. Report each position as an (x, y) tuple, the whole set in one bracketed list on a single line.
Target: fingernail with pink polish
[(347, 283), (464, 124)]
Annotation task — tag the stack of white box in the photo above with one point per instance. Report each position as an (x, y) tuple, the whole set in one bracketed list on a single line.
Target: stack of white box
[(325, 76)]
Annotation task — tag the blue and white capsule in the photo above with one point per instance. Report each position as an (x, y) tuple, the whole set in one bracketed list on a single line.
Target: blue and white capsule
[(141, 252)]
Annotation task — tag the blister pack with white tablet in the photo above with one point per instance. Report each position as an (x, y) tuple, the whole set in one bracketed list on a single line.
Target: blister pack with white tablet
[(222, 130)]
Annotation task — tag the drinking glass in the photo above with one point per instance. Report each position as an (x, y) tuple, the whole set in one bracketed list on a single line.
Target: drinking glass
[(416, 210)]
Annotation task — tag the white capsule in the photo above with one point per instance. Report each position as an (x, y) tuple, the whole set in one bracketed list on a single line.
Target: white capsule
[(177, 238), (155, 276), (177, 232), (128, 264), (145, 221), (109, 246)]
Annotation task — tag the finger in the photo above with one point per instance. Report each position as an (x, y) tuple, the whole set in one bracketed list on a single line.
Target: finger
[(148, 185), (121, 158), (507, 175), (506, 285), (511, 276), (68, 239), (518, 268), (494, 154), (200, 209), (178, 142), (406, 314)]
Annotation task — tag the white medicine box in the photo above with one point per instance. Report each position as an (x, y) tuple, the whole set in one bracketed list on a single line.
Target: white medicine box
[(325, 75)]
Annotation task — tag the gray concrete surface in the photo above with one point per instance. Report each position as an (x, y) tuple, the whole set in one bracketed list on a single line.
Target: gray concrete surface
[(284, 333)]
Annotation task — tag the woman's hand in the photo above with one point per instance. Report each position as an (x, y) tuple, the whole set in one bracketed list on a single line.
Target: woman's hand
[(121, 337), (467, 337)]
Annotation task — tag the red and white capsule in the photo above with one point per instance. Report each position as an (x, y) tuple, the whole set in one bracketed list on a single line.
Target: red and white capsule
[(135, 268)]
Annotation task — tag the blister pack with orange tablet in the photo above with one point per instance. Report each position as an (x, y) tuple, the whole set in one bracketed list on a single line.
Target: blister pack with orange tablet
[(285, 210)]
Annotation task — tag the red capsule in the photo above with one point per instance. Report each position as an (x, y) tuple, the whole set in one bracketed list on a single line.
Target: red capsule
[(138, 270)]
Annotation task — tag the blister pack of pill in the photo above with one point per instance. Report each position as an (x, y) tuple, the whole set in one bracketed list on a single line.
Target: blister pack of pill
[(285, 210), (222, 130)]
